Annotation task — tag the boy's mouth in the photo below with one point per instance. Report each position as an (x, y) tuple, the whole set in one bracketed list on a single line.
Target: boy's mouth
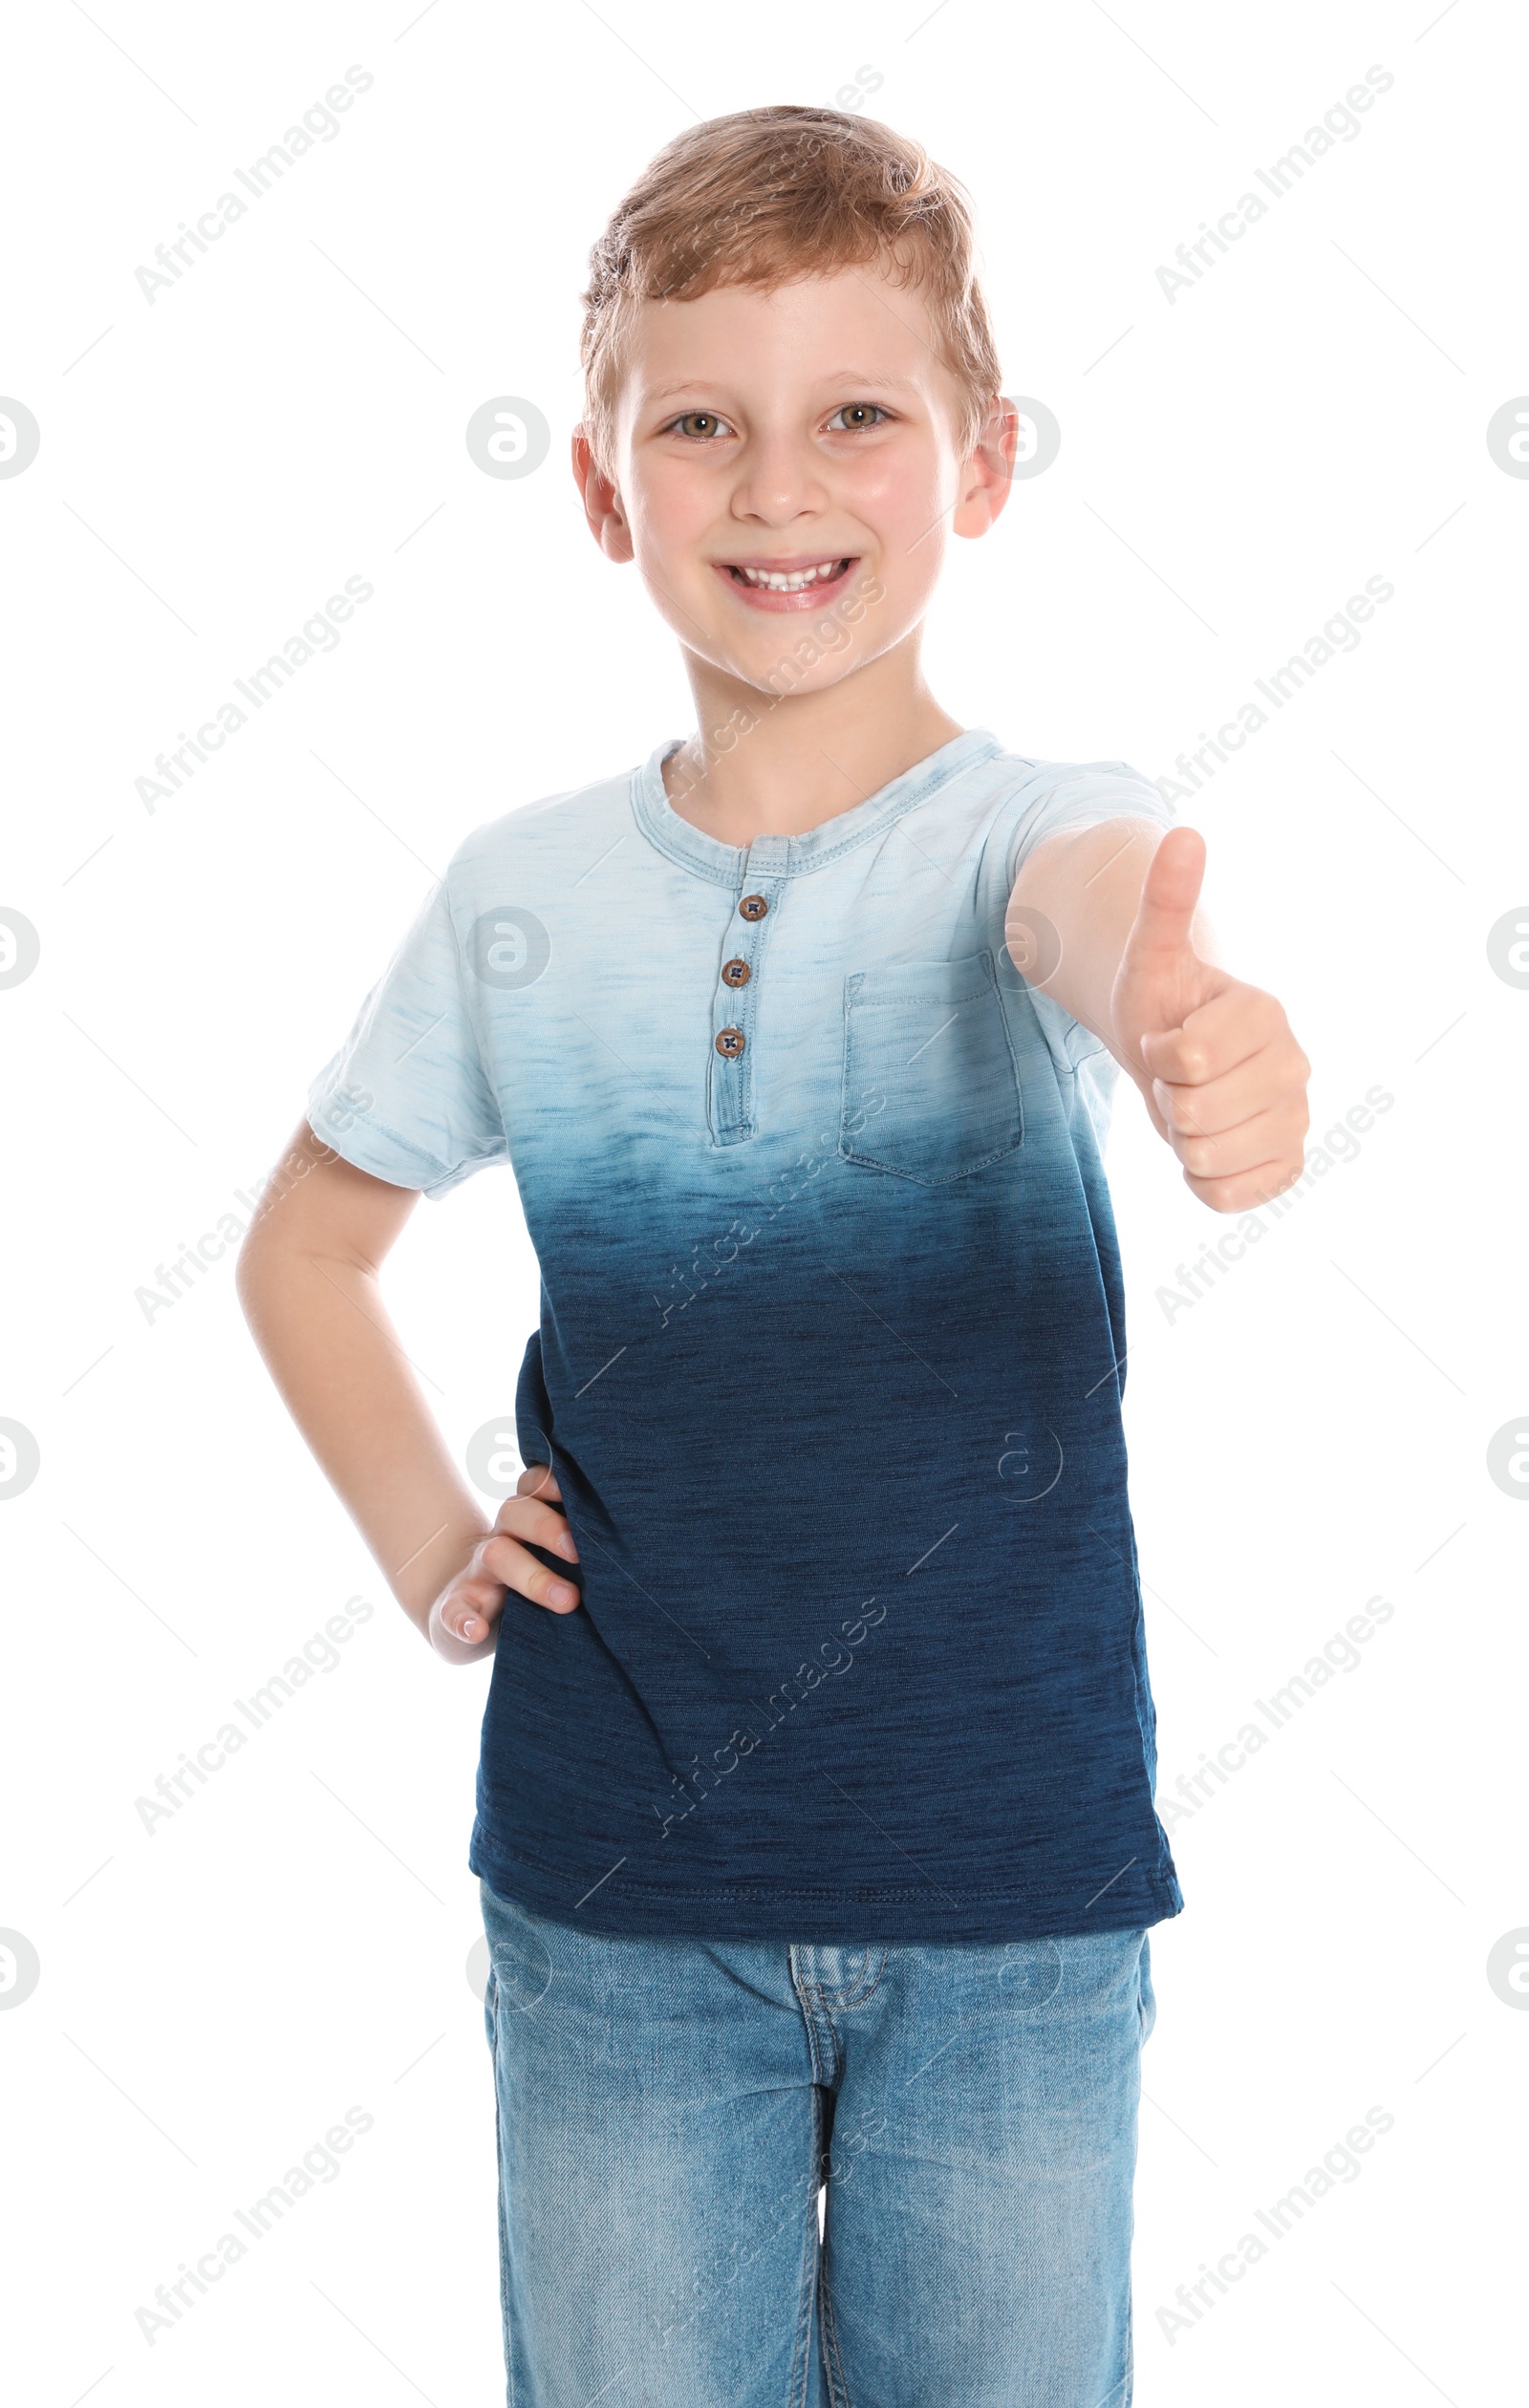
[(786, 584)]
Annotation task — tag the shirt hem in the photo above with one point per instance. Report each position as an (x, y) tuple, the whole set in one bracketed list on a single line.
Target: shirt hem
[(763, 1910)]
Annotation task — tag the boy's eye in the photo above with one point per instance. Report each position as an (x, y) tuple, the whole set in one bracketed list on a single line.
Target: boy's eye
[(700, 424), (857, 414)]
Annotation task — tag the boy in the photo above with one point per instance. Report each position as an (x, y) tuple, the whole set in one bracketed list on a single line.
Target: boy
[(814, 1834)]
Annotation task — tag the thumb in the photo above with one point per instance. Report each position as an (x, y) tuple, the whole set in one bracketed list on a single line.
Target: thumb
[(1169, 895)]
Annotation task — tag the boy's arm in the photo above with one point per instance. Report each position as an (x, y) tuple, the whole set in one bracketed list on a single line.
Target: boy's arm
[(1216, 1063), (307, 1282)]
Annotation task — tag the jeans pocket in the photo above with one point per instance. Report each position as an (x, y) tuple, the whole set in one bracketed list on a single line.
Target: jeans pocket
[(520, 1967), (931, 1086)]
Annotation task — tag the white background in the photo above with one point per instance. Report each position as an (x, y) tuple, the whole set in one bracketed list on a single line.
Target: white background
[(1311, 1432)]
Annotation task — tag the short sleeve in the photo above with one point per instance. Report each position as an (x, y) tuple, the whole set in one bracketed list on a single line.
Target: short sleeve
[(407, 1097), (1055, 797), (1081, 796)]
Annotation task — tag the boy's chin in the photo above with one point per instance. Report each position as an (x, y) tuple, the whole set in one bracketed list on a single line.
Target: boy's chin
[(777, 677)]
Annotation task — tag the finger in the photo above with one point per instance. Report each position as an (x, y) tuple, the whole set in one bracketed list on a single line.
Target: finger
[(505, 1560), (1169, 892), (540, 1525), (1214, 1038), (1275, 1075), (538, 1479), (1148, 1090), (471, 1608), (1270, 1136), (1244, 1191)]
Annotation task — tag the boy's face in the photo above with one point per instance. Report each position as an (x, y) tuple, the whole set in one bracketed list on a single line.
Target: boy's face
[(806, 435)]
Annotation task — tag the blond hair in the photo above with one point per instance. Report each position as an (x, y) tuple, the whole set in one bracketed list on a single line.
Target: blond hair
[(767, 196)]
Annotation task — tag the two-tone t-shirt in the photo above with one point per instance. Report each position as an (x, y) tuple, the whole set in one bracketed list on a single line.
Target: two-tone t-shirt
[(828, 1367)]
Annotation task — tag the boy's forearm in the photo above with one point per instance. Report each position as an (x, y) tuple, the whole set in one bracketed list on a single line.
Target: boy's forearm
[(336, 1358), (1088, 885)]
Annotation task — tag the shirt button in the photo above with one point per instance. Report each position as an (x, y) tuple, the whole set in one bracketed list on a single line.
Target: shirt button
[(753, 907), (737, 973), (730, 1041)]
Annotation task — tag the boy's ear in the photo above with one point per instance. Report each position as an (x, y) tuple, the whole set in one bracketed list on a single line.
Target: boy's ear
[(989, 471), (602, 501)]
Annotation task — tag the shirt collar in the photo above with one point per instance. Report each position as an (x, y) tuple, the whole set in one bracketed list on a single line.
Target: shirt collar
[(786, 856)]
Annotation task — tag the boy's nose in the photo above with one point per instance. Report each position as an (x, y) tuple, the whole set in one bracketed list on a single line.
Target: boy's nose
[(779, 481)]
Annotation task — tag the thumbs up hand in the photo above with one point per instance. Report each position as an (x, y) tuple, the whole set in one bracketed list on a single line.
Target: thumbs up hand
[(1220, 1072)]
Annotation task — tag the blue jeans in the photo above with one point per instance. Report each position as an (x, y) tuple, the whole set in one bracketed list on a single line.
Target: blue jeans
[(668, 2109)]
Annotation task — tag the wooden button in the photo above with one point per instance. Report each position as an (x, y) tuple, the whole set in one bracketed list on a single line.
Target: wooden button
[(735, 973), (731, 1042), (753, 907)]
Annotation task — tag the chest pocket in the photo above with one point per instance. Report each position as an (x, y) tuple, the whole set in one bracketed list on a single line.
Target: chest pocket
[(931, 1084)]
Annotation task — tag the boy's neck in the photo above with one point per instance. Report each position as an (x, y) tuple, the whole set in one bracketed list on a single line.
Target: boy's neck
[(786, 764)]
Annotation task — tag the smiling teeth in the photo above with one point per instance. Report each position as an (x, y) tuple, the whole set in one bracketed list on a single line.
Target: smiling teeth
[(788, 581)]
